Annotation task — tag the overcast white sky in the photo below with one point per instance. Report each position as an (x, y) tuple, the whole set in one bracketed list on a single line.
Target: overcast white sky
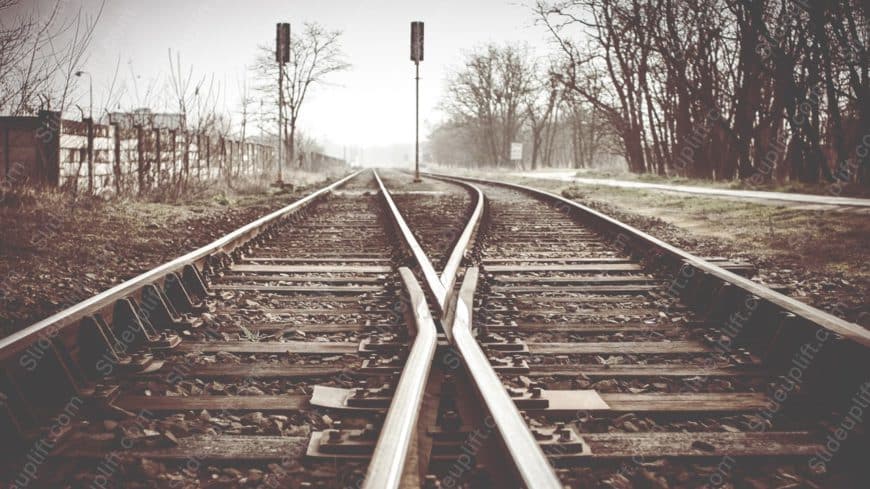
[(370, 105)]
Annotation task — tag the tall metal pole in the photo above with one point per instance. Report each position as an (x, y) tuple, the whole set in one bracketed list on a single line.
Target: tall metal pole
[(90, 122), (280, 121), (282, 55), (417, 139), (416, 57)]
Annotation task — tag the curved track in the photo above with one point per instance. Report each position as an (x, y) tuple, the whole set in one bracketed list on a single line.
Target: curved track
[(638, 365)]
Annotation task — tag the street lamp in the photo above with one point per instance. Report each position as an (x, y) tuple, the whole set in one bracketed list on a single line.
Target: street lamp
[(90, 92)]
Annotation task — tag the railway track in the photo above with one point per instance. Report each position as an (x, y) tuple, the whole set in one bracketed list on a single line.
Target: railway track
[(455, 334), (218, 369), (636, 364)]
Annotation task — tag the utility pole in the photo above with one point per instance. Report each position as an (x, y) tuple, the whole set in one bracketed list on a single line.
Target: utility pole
[(90, 124), (282, 55), (416, 57)]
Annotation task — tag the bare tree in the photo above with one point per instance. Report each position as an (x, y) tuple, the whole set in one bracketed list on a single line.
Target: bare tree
[(315, 55), (245, 104), (69, 52), (144, 95), (196, 98), (758, 90), (39, 56), (544, 98), (487, 96), (23, 74), (111, 97), (620, 51)]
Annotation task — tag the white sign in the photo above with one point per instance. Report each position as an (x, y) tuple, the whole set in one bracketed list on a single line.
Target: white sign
[(516, 151)]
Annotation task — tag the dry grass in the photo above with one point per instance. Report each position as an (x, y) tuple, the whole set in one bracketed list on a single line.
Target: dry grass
[(57, 248)]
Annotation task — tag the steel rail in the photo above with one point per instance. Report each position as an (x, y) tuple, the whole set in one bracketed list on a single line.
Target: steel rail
[(391, 452), (462, 245), (52, 326), (529, 460), (840, 327), (390, 458), (464, 242), (388, 462), (430, 276)]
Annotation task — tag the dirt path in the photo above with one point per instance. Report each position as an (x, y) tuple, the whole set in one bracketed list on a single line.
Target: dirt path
[(805, 201)]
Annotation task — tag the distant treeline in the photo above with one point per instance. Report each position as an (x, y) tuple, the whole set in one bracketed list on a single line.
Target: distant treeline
[(759, 90)]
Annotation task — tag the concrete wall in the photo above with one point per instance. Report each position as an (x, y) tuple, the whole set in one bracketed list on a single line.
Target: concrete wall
[(28, 149), (47, 150)]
